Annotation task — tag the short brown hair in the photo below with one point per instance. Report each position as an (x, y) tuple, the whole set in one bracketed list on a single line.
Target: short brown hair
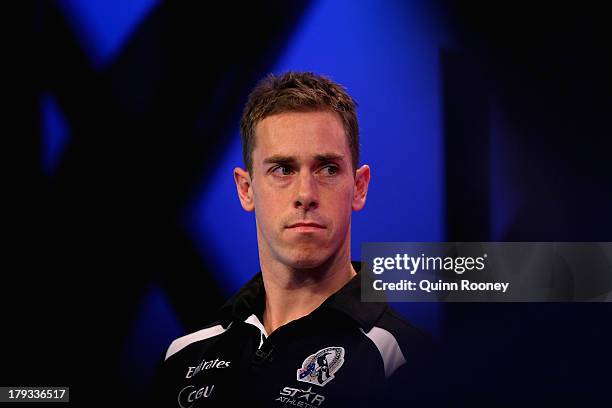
[(297, 91)]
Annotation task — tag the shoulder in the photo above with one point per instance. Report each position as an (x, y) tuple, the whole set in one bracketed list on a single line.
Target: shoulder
[(241, 304), (399, 343), (412, 359), (209, 331), (407, 335)]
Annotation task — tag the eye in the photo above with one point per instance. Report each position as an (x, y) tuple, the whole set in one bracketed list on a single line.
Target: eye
[(281, 171), (330, 170)]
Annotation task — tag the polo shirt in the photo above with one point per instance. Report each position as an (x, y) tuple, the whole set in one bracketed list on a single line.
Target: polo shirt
[(344, 353)]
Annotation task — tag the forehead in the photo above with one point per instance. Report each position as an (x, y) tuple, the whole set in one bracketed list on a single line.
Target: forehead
[(301, 134)]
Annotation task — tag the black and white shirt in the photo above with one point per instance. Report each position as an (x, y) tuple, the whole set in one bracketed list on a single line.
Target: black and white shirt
[(344, 353)]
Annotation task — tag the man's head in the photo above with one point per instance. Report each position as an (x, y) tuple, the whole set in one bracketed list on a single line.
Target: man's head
[(297, 92), (302, 179)]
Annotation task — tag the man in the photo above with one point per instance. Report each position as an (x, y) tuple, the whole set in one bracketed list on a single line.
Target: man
[(297, 333)]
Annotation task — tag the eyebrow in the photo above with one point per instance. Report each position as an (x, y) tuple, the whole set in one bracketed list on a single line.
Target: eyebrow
[(322, 158)]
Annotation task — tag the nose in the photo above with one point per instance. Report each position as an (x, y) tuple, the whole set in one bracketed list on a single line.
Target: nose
[(307, 192)]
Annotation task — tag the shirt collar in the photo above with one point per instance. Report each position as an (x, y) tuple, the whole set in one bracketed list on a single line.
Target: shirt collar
[(250, 300)]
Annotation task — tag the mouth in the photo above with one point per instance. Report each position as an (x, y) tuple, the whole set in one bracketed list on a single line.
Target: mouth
[(306, 227)]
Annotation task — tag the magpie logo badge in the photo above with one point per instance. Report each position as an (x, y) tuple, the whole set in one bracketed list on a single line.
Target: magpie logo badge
[(319, 368)]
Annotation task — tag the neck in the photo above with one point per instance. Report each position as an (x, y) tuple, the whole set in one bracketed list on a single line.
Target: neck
[(293, 293)]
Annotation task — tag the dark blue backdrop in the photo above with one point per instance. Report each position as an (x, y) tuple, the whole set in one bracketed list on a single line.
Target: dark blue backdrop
[(479, 122)]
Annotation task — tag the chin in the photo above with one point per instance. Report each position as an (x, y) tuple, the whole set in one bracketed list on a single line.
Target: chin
[(306, 263), (306, 260)]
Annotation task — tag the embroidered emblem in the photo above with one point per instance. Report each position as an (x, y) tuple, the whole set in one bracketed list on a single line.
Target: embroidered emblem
[(319, 368)]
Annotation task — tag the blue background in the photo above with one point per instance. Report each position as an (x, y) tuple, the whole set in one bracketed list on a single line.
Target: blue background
[(480, 123)]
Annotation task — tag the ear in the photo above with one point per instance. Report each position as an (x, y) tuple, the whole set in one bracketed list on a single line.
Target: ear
[(362, 181), (245, 188)]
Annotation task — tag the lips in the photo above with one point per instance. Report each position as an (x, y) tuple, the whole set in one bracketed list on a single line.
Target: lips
[(306, 225)]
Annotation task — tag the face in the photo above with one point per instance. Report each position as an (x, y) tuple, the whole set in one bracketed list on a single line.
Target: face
[(302, 188)]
